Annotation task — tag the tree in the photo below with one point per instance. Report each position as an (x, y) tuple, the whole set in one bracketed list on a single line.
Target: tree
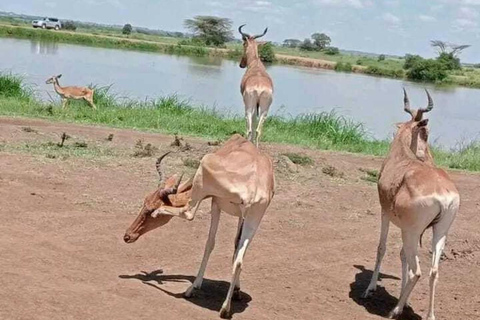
[(307, 45), (212, 30), (445, 47), (331, 51), (427, 70), (410, 60), (321, 40), (381, 57), (291, 43), (69, 25), (266, 53), (127, 29), (449, 60)]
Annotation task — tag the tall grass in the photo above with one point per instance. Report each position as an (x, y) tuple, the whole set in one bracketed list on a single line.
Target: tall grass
[(12, 86), (172, 115)]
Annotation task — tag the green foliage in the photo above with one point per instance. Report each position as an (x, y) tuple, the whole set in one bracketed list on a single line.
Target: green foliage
[(307, 45), (381, 57), (343, 66), (385, 72), (410, 60), (427, 70), (449, 61), (291, 43), (212, 30), (127, 29), (12, 86), (266, 52), (331, 51), (69, 25), (321, 41)]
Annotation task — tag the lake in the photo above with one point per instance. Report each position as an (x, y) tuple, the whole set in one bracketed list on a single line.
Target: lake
[(215, 83)]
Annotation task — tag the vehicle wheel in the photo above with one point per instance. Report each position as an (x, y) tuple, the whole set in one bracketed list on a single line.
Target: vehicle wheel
[(56, 28), (44, 26)]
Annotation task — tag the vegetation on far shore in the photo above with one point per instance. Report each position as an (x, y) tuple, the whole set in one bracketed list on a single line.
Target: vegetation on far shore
[(328, 131)]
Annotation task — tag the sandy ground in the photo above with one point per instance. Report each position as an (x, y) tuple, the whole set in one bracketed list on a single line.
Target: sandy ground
[(63, 219)]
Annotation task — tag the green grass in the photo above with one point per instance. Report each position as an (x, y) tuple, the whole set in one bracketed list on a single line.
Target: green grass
[(300, 159), (328, 130)]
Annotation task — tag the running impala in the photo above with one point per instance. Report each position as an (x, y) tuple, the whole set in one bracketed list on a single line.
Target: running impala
[(75, 93)]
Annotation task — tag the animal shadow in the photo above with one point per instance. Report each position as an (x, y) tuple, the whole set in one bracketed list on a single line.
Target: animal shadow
[(380, 302), (211, 296)]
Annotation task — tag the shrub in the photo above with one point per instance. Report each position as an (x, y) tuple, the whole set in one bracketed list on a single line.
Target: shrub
[(410, 60), (127, 29), (343, 66), (381, 57), (69, 25), (307, 45), (377, 71), (266, 52), (449, 61), (427, 70), (331, 51)]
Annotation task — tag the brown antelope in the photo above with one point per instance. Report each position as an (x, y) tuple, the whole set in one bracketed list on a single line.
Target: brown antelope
[(256, 86), (414, 195), (75, 93), (240, 181)]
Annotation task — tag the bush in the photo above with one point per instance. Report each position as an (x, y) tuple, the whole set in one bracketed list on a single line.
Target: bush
[(427, 70), (127, 29), (331, 51), (69, 25), (343, 66), (377, 71), (307, 45), (381, 57), (449, 61), (266, 52), (410, 60)]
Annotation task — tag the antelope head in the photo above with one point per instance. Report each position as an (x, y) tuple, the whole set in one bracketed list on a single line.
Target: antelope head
[(414, 133), (53, 79), (170, 194), (250, 45)]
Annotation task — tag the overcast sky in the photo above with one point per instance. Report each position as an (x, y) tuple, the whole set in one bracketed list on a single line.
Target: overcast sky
[(380, 26)]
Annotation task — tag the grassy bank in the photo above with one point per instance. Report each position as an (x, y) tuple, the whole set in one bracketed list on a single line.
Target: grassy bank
[(327, 131)]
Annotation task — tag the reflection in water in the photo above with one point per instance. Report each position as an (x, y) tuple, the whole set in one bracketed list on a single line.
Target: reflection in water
[(205, 66), (43, 47)]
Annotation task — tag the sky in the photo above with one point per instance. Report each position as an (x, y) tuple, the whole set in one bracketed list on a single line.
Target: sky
[(378, 26)]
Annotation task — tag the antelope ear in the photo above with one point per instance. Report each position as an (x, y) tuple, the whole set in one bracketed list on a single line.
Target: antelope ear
[(59, 76), (422, 123)]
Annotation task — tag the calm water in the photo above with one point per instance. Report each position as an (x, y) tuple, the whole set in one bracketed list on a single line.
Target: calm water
[(376, 102)]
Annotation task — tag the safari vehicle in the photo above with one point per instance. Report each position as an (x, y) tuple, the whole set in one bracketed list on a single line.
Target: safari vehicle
[(47, 23)]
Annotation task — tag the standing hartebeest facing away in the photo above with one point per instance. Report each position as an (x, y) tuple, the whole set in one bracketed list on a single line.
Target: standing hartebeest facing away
[(240, 181), (414, 195), (76, 93), (256, 86)]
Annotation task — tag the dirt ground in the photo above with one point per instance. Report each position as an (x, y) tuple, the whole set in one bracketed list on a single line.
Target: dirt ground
[(63, 218)]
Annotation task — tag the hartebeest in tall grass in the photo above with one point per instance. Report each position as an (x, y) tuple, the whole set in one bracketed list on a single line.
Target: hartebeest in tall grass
[(256, 86), (414, 195), (75, 93), (240, 181)]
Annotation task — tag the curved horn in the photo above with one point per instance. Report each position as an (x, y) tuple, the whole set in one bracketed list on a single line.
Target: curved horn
[(430, 103), (261, 35), (158, 166), (244, 35), (406, 103), (168, 191)]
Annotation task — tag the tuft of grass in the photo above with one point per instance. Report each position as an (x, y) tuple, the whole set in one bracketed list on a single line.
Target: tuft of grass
[(296, 158), (11, 86), (333, 172), (29, 130), (369, 175)]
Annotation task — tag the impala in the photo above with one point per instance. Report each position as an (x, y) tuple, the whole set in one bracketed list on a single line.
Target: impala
[(256, 86), (414, 195), (240, 181), (75, 93)]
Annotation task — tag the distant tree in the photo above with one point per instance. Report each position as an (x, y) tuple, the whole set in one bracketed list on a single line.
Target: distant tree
[(266, 52), (331, 51), (321, 40), (450, 61), (381, 57), (69, 25), (445, 47), (212, 30), (291, 43), (307, 45), (427, 70), (410, 60), (127, 29)]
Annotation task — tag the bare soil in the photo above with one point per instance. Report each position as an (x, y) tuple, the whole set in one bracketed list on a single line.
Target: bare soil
[(63, 218)]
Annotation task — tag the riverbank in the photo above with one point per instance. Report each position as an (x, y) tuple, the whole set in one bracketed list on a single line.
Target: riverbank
[(326, 131), (391, 68)]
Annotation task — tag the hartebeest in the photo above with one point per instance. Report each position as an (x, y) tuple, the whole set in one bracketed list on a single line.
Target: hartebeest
[(240, 181), (75, 93), (414, 195), (256, 86)]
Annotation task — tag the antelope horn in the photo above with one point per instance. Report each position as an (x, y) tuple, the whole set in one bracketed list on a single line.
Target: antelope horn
[(261, 35), (158, 166), (177, 184), (244, 35), (406, 103), (430, 103)]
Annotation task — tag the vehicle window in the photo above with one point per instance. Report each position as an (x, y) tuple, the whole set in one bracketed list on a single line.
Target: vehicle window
[(53, 19)]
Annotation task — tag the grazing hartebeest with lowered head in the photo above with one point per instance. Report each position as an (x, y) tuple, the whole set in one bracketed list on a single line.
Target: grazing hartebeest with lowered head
[(240, 181), (414, 195), (256, 86), (75, 93)]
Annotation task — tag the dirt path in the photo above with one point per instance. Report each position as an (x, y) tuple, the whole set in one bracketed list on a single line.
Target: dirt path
[(63, 218)]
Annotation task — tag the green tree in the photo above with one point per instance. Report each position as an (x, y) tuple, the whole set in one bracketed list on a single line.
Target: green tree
[(212, 30), (291, 43), (331, 51), (69, 25), (427, 70), (450, 61), (321, 40), (410, 60), (381, 57), (307, 45), (266, 52), (127, 29)]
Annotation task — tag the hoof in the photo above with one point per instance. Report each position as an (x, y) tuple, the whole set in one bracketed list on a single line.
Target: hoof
[(237, 295), (225, 314)]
